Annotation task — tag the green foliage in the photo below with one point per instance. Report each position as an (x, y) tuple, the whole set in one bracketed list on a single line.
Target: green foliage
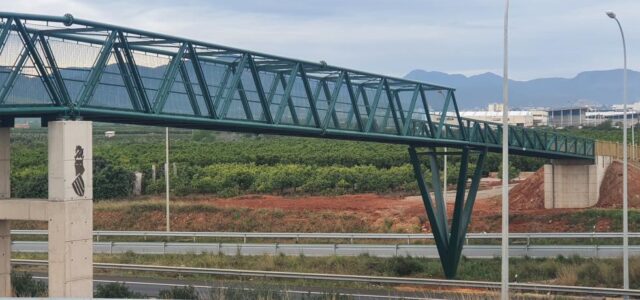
[(110, 180), (29, 182), (404, 266), (117, 290), (606, 125), (513, 172), (25, 286), (179, 292), (232, 164)]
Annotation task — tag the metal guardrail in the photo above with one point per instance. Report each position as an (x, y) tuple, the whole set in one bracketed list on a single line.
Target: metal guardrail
[(317, 250), (355, 278), (345, 236)]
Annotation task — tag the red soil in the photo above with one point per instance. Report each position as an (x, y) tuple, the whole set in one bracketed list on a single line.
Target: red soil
[(611, 188), (529, 193)]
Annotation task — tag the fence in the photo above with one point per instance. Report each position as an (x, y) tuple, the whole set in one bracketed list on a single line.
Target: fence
[(614, 150)]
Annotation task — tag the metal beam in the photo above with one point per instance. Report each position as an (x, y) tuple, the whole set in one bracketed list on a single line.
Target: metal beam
[(97, 71), (234, 85), (332, 98), (443, 115), (188, 88), (168, 79), (391, 99), (29, 44), (134, 74), (11, 79), (266, 109), (4, 34), (286, 97), (311, 98), (374, 106), (202, 82), (412, 107), (354, 102)]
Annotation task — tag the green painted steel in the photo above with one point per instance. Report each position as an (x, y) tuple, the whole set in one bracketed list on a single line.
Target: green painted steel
[(449, 240), (66, 68)]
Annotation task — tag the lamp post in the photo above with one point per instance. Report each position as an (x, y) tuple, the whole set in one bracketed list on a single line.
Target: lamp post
[(625, 202), (504, 289)]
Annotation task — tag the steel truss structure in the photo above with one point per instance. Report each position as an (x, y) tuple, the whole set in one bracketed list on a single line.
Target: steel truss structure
[(449, 239), (65, 68)]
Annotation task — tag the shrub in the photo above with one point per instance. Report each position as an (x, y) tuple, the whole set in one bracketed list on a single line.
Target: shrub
[(404, 266), (111, 180), (25, 286), (179, 292), (115, 290), (31, 182)]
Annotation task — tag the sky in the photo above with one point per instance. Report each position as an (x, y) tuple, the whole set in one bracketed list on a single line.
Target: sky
[(548, 38)]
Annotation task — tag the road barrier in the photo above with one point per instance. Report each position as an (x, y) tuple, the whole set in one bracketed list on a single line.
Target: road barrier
[(408, 237), (247, 249), (356, 278)]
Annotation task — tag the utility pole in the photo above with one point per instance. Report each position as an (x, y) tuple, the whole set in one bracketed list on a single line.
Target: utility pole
[(167, 174), (504, 288)]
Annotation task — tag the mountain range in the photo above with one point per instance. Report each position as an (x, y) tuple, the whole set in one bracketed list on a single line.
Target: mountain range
[(600, 88)]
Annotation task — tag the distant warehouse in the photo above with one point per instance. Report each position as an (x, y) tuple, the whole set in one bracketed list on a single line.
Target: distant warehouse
[(524, 118), (516, 117), (569, 117)]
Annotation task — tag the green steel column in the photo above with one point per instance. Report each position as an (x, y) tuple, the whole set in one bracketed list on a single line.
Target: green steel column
[(441, 241)]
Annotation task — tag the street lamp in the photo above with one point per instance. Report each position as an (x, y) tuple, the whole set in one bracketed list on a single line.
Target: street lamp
[(504, 288), (625, 202)]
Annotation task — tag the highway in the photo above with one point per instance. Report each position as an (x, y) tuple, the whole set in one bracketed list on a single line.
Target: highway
[(376, 280), (248, 249), (151, 287)]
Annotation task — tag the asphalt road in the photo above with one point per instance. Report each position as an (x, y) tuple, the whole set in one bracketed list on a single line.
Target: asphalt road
[(430, 251)]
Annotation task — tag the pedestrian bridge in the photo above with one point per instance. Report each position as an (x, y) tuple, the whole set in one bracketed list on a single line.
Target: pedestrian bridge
[(61, 67), (66, 71)]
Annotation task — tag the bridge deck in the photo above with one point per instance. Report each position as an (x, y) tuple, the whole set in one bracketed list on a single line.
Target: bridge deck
[(61, 67)]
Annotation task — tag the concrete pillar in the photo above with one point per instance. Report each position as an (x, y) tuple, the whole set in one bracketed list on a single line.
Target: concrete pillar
[(70, 209), (5, 228), (574, 183), (137, 183)]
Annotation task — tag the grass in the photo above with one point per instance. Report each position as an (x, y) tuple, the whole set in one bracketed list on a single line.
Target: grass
[(561, 270)]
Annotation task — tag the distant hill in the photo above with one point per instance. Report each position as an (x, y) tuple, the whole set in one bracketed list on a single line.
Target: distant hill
[(590, 87)]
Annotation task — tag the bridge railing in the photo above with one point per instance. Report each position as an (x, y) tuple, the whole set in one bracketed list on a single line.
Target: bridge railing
[(485, 132)]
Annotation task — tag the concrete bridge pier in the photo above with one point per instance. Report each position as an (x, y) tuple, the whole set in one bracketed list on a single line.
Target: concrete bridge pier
[(68, 211), (572, 183)]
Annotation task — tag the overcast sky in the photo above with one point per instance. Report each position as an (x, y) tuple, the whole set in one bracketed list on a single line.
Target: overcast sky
[(549, 38)]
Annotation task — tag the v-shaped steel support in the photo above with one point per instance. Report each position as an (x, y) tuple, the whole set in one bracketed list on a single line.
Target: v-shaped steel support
[(449, 240)]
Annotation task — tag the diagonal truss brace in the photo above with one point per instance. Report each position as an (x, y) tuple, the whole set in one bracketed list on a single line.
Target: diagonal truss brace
[(449, 241)]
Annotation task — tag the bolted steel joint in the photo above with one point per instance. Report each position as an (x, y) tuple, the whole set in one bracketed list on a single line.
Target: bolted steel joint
[(68, 19)]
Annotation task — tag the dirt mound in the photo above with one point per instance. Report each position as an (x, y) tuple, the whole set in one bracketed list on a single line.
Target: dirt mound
[(529, 193), (611, 188)]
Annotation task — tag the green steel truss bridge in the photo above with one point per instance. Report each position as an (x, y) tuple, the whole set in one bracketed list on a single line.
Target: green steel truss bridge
[(65, 68)]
